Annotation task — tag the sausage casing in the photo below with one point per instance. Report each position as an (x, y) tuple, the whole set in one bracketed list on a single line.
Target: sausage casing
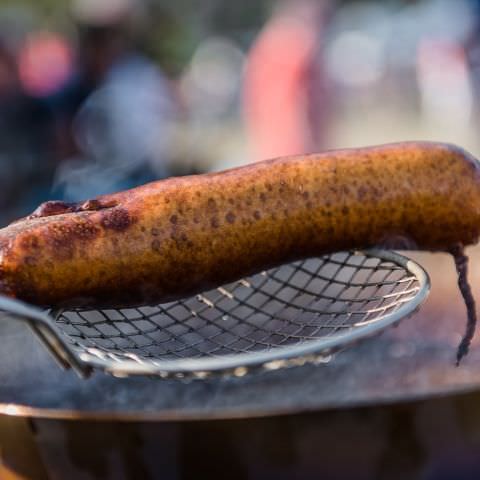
[(178, 236)]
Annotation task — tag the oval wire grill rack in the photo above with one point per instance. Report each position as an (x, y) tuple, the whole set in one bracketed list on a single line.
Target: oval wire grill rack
[(297, 313)]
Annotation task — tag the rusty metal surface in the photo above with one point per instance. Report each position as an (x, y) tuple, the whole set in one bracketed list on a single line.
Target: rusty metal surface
[(415, 360)]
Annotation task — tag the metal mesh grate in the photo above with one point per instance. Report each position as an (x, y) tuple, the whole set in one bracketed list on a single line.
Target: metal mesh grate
[(294, 304)]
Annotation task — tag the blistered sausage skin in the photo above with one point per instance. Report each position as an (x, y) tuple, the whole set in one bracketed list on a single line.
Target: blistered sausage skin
[(175, 237)]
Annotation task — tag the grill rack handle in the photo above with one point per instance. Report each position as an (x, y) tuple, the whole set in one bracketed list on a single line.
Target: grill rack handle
[(41, 323)]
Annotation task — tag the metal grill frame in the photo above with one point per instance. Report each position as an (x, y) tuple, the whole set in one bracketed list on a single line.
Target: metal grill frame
[(83, 359)]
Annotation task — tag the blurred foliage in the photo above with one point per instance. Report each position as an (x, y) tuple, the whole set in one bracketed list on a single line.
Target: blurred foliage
[(176, 28), (167, 30), (50, 13)]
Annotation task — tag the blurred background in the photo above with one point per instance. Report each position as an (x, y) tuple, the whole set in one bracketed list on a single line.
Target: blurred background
[(98, 96)]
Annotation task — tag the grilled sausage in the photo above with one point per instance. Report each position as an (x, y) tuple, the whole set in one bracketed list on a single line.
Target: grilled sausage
[(176, 237)]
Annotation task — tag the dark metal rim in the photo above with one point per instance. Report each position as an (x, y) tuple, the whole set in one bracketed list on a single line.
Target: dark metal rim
[(225, 414)]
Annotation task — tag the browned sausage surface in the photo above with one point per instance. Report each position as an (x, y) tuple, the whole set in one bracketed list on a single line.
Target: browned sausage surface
[(175, 237)]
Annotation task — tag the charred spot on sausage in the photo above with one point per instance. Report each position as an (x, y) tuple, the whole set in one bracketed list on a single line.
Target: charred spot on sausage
[(118, 219)]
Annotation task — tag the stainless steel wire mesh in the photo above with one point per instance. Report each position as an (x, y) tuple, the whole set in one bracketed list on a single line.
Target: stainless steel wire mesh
[(307, 307)]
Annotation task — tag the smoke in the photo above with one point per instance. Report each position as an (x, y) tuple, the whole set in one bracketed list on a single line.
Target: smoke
[(122, 132)]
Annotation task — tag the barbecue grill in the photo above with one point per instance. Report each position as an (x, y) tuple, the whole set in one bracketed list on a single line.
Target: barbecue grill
[(392, 405)]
